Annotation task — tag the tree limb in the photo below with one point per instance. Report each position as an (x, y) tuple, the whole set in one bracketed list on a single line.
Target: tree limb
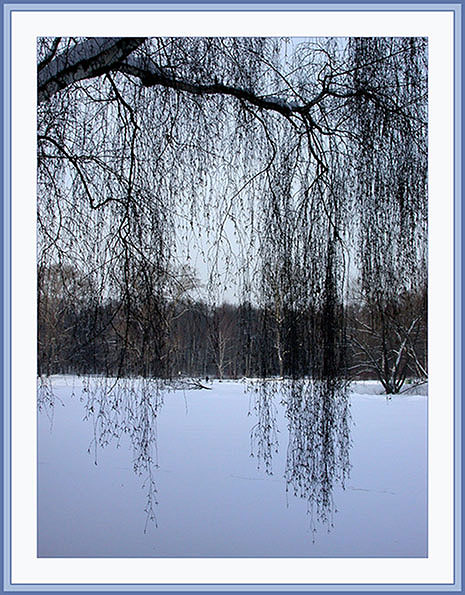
[(150, 75), (97, 56), (91, 58)]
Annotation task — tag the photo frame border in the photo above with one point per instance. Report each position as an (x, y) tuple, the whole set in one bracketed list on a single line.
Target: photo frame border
[(5, 298)]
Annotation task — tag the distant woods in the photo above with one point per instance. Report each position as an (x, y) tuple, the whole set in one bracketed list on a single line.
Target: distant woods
[(296, 168), (78, 335)]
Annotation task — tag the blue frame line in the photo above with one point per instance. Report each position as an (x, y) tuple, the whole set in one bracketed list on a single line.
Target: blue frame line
[(458, 255), (459, 293), (6, 293), (258, 5), (5, 299)]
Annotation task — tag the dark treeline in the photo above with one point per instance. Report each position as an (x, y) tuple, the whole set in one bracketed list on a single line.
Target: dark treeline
[(79, 335)]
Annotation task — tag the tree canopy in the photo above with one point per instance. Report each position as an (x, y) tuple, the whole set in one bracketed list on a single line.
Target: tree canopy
[(296, 167)]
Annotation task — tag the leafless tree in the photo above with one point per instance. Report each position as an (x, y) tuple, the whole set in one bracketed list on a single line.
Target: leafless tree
[(389, 340), (289, 166)]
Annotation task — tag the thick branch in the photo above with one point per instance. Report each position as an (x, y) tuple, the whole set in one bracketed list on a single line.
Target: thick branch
[(98, 56), (150, 75), (94, 57)]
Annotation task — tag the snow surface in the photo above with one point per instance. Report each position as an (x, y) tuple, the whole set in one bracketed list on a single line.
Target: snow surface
[(212, 499)]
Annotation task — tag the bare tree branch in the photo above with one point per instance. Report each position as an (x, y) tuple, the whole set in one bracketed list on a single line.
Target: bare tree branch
[(93, 57)]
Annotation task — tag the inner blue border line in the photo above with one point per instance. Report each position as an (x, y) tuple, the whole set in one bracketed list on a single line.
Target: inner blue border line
[(457, 262), (242, 588), (458, 297)]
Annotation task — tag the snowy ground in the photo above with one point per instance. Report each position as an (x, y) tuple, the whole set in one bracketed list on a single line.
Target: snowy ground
[(212, 499)]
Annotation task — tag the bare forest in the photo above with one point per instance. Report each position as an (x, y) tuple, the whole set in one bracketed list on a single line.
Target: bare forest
[(292, 171)]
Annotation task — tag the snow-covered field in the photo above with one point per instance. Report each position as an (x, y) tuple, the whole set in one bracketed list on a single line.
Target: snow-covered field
[(206, 492)]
